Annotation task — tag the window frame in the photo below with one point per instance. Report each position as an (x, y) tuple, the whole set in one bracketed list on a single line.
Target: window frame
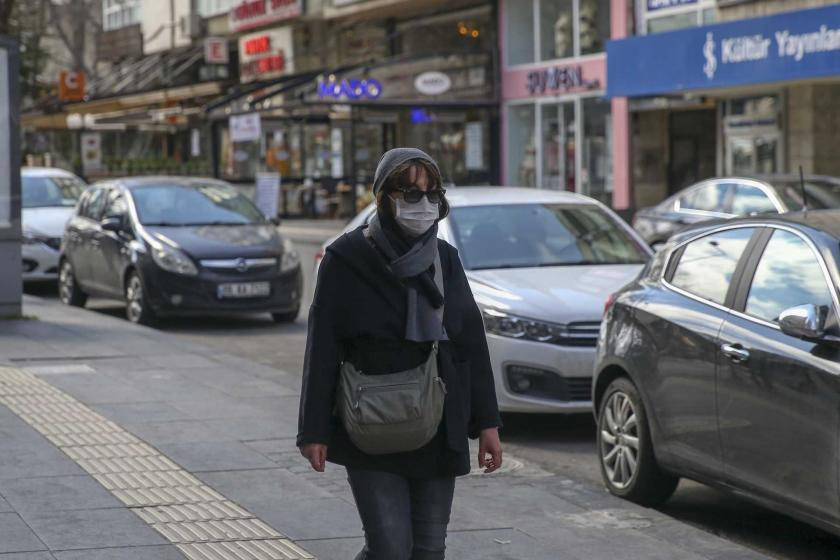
[(677, 252), (739, 287)]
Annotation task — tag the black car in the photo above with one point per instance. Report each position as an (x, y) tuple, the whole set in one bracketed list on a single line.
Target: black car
[(728, 197), (721, 363), (177, 246)]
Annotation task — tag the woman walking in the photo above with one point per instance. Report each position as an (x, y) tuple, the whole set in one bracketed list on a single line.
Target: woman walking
[(397, 372)]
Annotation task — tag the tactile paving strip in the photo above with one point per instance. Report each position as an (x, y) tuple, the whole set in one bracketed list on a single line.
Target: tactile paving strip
[(202, 523)]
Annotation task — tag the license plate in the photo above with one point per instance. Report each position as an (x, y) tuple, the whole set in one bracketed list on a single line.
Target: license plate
[(245, 290)]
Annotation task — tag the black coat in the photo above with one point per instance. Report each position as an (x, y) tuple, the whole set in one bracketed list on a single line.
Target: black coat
[(359, 309)]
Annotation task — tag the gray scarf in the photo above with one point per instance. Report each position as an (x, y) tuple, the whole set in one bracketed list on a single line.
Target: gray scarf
[(423, 321)]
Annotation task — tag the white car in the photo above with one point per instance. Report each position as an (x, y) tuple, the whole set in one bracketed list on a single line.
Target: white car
[(48, 198), (541, 265)]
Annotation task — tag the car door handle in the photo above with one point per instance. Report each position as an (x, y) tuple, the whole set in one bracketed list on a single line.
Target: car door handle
[(735, 352)]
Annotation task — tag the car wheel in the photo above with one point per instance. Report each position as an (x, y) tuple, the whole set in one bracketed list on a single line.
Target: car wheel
[(286, 317), (137, 307), (625, 449), (68, 290)]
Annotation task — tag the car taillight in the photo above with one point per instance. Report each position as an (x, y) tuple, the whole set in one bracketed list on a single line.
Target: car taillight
[(609, 303)]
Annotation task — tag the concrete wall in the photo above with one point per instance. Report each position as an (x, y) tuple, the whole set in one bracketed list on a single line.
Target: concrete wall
[(813, 128), (760, 8), (649, 157)]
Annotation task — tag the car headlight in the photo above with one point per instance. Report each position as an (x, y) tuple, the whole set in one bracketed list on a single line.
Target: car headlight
[(504, 324), (291, 258), (173, 260)]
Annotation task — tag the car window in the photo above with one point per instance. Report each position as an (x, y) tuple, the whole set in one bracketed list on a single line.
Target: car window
[(196, 204), (94, 204), (788, 275), (708, 198), (707, 264), (116, 205), (750, 199), (40, 192), (818, 194), (531, 235)]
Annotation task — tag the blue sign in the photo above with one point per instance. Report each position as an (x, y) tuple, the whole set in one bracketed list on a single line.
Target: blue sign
[(654, 5), (420, 116), (351, 89), (788, 46)]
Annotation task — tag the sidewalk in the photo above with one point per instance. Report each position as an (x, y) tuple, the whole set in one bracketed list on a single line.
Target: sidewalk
[(121, 442)]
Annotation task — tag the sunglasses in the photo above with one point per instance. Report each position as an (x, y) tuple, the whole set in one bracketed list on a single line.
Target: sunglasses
[(414, 195)]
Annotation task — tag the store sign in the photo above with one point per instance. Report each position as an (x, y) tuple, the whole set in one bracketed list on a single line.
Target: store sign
[(215, 50), (245, 128), (559, 79), (655, 5), (71, 86), (349, 89), (432, 83), (251, 14), (265, 55), (790, 46)]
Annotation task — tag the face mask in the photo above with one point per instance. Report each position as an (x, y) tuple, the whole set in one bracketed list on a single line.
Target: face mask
[(416, 218)]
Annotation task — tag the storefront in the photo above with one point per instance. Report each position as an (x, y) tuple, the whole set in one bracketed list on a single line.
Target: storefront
[(761, 93), (557, 124)]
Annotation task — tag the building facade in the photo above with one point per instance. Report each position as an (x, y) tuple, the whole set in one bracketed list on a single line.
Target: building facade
[(738, 88)]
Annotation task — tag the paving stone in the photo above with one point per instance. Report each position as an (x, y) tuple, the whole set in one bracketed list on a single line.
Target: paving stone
[(131, 412), (336, 518), (177, 431), (335, 549), (39, 458), (166, 552), (27, 556), (56, 493), (4, 505), (256, 487), (92, 528), (180, 360), (215, 456), (15, 536), (101, 388), (264, 408)]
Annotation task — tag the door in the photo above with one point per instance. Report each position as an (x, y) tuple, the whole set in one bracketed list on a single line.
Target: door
[(112, 253), (558, 154), (778, 395), (87, 250), (686, 323)]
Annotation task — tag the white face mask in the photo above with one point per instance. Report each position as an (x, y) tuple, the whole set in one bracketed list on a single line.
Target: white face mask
[(415, 219)]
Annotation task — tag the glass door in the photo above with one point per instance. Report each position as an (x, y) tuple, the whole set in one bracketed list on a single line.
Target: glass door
[(558, 143), (752, 153)]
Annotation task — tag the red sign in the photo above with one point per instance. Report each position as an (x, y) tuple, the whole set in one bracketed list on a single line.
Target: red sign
[(256, 13), (215, 50), (258, 45), (71, 86)]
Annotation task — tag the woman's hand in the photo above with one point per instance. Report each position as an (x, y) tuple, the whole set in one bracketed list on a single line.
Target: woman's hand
[(317, 454), (489, 444)]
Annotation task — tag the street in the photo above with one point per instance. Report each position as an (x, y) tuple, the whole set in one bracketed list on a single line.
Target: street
[(563, 446)]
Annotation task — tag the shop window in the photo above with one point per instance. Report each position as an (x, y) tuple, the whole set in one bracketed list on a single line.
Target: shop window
[(540, 30), (463, 31), (597, 149), (519, 31), (658, 17), (556, 29), (522, 146)]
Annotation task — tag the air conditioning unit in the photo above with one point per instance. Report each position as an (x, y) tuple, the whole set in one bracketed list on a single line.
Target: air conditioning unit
[(192, 26)]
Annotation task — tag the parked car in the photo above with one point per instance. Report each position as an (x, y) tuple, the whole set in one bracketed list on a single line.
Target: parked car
[(540, 264), (728, 197), (721, 363), (48, 198), (177, 246)]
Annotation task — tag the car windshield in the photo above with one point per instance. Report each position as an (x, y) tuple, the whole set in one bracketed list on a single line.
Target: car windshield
[(820, 194), (201, 204), (41, 192), (532, 235)]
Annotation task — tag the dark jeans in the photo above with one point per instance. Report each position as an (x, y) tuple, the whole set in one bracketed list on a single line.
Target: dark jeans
[(404, 518)]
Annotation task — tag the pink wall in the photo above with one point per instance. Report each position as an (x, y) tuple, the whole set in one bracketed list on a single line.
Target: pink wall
[(591, 70), (621, 119)]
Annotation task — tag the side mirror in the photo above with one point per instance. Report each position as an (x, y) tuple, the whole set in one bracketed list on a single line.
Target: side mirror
[(803, 321), (112, 223)]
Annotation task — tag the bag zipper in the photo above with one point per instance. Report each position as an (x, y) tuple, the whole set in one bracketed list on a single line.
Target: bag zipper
[(387, 387)]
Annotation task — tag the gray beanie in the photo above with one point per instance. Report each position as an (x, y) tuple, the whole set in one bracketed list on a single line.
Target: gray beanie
[(394, 158)]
